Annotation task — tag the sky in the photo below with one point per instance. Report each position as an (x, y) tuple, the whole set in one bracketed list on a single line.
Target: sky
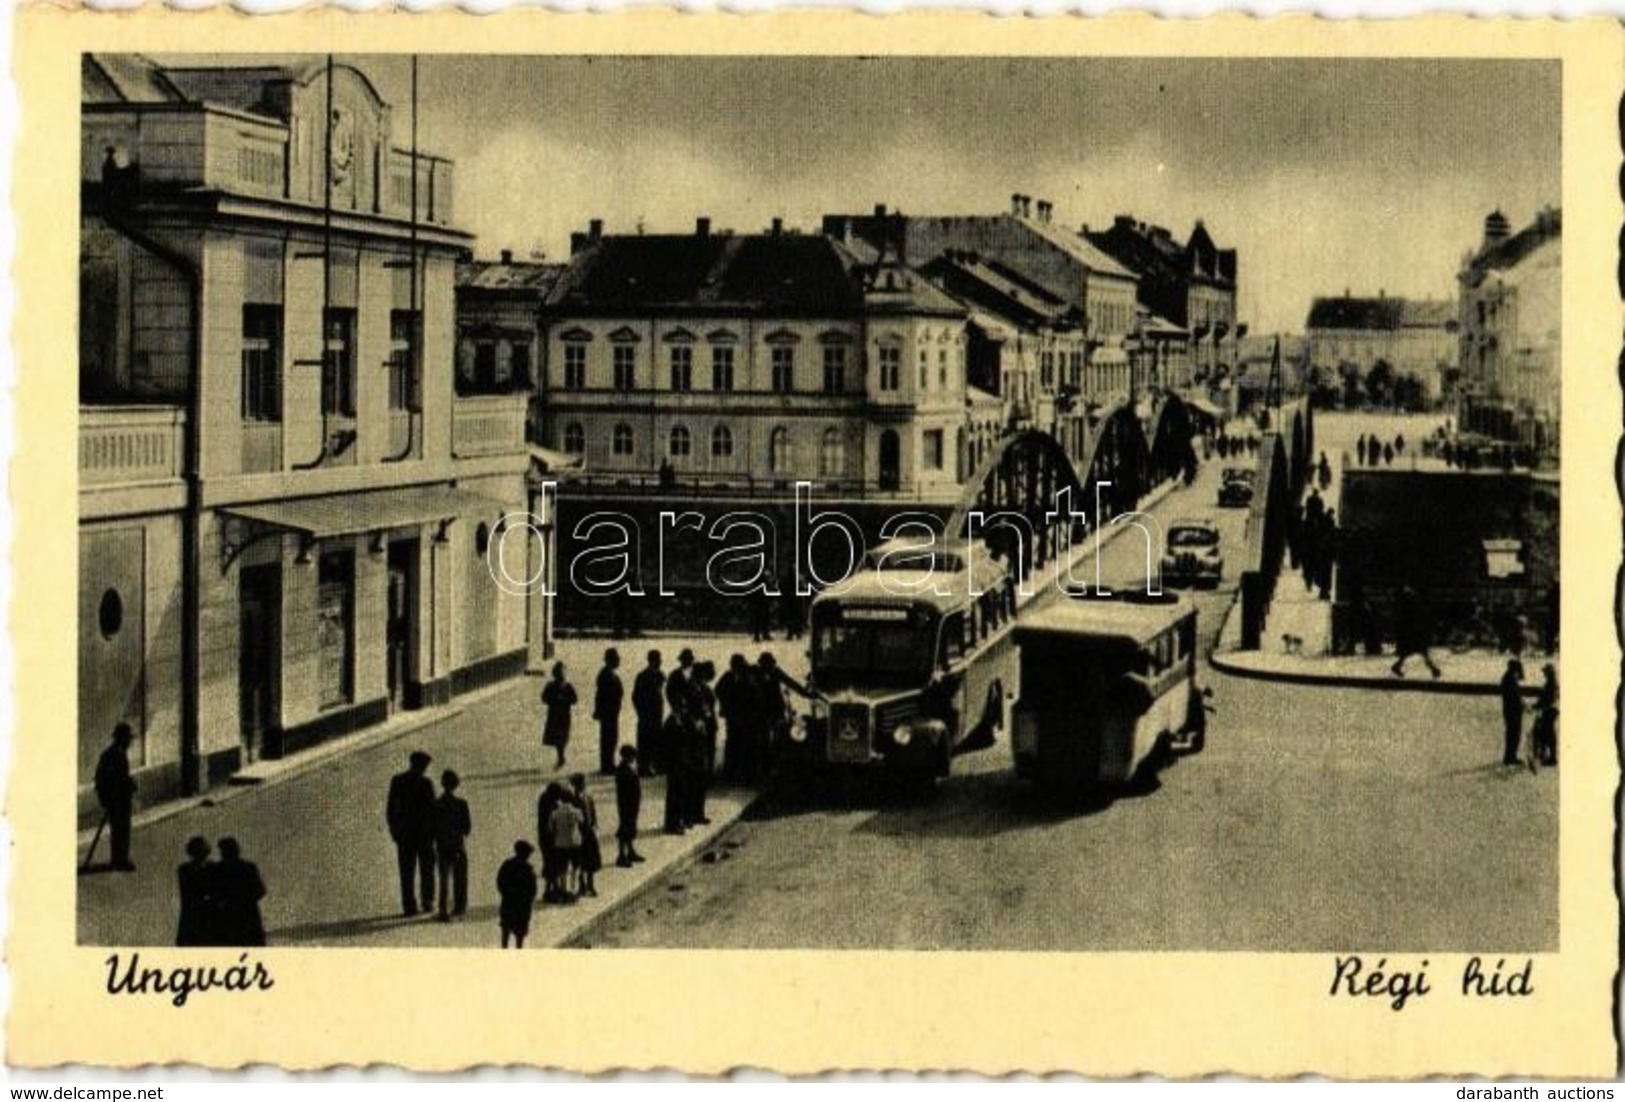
[(1325, 175)]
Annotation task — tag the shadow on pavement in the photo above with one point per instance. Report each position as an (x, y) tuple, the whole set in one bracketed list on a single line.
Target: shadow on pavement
[(340, 929)]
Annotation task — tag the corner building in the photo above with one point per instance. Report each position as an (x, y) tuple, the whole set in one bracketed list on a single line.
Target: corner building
[(284, 503)]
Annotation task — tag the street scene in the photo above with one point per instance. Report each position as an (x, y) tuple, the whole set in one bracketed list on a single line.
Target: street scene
[(766, 537)]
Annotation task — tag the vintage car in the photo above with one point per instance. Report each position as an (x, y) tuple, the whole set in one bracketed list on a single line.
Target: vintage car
[(1236, 487), (1192, 555)]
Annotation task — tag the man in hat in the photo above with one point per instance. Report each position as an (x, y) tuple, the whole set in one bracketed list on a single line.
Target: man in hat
[(410, 813), (648, 701), (115, 791)]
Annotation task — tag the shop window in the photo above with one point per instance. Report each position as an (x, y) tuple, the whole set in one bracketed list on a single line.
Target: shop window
[(335, 626)]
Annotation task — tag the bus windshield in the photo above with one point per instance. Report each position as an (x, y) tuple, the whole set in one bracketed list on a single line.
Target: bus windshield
[(849, 644)]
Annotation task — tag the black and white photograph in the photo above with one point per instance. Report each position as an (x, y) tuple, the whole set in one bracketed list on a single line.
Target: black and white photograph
[(1085, 504)]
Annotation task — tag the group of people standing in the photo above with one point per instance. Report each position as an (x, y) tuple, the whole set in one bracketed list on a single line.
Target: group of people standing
[(1312, 544), (1234, 446), (430, 833), (220, 900), (1543, 734), (1371, 450)]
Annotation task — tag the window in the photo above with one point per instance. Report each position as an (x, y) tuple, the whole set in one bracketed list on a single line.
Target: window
[(942, 368), (682, 368), (722, 367), (1046, 369), (622, 441), (834, 368), (953, 638), (485, 365), (781, 455), (575, 438), (925, 370), (832, 454), (575, 366), (682, 444), (338, 363), (519, 366), (335, 625), (482, 540), (784, 369), (931, 449), (403, 361), (722, 442), (625, 366), (891, 367), (262, 362)]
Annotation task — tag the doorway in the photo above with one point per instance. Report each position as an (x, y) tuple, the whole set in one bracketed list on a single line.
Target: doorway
[(259, 658), (890, 460), (401, 626)]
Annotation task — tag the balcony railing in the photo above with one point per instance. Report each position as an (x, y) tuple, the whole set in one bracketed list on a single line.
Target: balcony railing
[(491, 425), (125, 444)]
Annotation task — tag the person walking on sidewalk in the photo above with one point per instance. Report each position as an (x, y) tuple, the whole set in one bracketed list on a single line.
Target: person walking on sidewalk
[(198, 913), (564, 834), (452, 826), (516, 895), (558, 698), (238, 889), (628, 803), (1512, 710), (409, 813), (648, 701), (591, 857), (606, 709), (1410, 633), (115, 791)]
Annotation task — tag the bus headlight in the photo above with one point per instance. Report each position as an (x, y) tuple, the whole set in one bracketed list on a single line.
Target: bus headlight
[(902, 735), (798, 732)]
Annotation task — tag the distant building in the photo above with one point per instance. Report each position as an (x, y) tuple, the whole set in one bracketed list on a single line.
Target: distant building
[(284, 503), (746, 362), (1188, 287), (1510, 314), (499, 312), (1414, 337)]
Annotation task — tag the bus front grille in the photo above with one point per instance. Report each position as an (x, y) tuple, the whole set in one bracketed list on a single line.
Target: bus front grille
[(848, 740)]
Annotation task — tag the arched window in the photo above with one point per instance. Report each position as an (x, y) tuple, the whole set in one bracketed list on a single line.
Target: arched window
[(575, 438), (781, 454), (623, 439), (832, 454), (682, 443), (722, 442)]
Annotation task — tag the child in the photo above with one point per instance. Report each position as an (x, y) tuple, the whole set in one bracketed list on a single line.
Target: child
[(590, 857), (516, 886), (628, 800), (564, 828)]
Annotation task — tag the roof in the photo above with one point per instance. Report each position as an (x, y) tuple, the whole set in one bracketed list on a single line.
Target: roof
[(1380, 313), (348, 514), (995, 293), (778, 274), (1153, 252), (124, 78), (516, 276), (1548, 225), (937, 590), (1132, 618), (1078, 247)]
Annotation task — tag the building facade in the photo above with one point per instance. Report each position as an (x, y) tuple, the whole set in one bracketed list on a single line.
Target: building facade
[(1510, 319), (285, 505), (724, 362), (1413, 337)]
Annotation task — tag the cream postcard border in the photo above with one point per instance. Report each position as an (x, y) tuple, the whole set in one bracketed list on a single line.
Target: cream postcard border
[(1103, 1014)]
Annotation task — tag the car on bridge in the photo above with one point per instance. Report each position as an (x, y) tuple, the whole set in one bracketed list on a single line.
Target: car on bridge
[(1236, 487), (1192, 555)]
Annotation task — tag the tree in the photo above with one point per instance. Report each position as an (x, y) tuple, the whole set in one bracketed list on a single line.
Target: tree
[(1379, 383)]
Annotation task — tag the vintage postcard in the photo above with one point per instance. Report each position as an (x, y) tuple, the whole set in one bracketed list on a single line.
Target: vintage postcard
[(815, 541)]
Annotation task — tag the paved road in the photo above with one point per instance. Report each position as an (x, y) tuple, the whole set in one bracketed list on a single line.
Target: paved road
[(1316, 820)]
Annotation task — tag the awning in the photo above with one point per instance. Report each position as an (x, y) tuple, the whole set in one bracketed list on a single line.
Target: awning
[(369, 510), (551, 461)]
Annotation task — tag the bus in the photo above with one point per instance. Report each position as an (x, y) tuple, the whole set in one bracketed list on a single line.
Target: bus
[(1107, 688), (912, 661)]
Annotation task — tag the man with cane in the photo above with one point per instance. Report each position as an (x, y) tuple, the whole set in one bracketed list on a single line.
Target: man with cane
[(115, 791)]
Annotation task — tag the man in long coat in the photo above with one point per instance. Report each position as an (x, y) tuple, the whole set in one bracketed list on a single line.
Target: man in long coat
[(411, 818), (115, 791), (649, 702)]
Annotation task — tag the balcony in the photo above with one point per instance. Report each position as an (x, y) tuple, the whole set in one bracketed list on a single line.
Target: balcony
[(488, 425), (126, 445)]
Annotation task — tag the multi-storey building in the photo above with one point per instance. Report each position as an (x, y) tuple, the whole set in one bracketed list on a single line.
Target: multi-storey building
[(285, 506), (499, 347), (1510, 312), (730, 362), (1189, 291), (1414, 337)]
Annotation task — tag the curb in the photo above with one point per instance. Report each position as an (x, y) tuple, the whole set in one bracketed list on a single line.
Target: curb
[(1225, 663)]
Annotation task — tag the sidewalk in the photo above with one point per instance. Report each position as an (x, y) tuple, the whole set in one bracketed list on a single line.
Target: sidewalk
[(1473, 672)]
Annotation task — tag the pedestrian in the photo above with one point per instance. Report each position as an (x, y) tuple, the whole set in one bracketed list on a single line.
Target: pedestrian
[(1410, 633), (774, 715), (197, 923), (702, 746), (1512, 710), (409, 812), (1387, 455), (452, 826), (673, 752), (648, 701), (734, 705), (680, 684), (516, 894), (552, 793), (115, 791), (793, 613), (237, 891), (1399, 444), (628, 803), (1323, 472), (1544, 733), (564, 830), (558, 698), (1326, 554), (591, 856), (761, 611), (606, 709), (1359, 449)]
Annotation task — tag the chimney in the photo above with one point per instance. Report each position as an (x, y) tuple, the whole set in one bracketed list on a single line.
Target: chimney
[(1045, 210), (702, 227), (880, 210), (1026, 206), (1496, 229), (778, 226), (1015, 204), (595, 229), (507, 257)]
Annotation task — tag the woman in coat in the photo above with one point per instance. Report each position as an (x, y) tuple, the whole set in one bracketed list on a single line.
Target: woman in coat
[(197, 921), (558, 697)]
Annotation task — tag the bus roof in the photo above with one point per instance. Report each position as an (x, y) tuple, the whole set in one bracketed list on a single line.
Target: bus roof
[(1132, 618), (939, 590)]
